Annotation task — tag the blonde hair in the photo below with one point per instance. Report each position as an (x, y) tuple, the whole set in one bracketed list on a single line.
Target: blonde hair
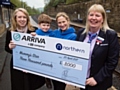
[(44, 18), (62, 14), (98, 8), (14, 23)]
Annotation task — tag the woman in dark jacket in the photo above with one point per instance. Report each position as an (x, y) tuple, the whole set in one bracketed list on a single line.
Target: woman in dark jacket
[(104, 50), (21, 80)]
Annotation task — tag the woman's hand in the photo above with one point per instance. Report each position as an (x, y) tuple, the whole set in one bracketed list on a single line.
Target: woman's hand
[(33, 33), (91, 81), (12, 45)]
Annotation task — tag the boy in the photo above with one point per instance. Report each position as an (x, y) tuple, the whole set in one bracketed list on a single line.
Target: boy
[(44, 30), (44, 25)]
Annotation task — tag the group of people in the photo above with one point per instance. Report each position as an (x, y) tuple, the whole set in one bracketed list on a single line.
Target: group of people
[(104, 47)]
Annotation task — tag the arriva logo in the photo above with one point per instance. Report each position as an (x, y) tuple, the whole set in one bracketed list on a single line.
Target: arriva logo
[(59, 46), (16, 36)]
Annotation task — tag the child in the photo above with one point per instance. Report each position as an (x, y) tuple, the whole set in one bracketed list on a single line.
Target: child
[(44, 30), (44, 25)]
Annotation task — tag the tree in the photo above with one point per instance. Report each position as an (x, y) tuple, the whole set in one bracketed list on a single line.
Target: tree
[(72, 1), (31, 10), (16, 2)]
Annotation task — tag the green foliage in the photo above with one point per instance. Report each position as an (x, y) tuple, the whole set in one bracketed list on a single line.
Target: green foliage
[(16, 2), (51, 3), (46, 7), (72, 1), (84, 0), (20, 3), (55, 2)]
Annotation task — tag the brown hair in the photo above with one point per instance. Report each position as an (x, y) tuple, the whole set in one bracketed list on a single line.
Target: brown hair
[(44, 18)]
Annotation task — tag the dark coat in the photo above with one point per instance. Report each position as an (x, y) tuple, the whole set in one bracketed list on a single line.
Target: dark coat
[(19, 79), (104, 58)]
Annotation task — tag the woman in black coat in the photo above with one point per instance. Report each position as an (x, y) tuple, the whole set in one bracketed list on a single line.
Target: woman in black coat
[(21, 80), (104, 49)]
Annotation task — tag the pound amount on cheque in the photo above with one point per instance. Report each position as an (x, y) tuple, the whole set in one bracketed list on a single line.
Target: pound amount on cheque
[(71, 65)]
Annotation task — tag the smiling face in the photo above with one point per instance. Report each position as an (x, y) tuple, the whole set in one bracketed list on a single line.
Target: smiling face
[(21, 19), (63, 23), (95, 20), (44, 26)]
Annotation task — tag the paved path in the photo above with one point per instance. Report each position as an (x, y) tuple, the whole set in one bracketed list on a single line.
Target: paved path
[(33, 22), (4, 65), (68, 87)]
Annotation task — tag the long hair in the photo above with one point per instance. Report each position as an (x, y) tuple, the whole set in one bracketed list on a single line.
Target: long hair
[(98, 8), (64, 15), (14, 23)]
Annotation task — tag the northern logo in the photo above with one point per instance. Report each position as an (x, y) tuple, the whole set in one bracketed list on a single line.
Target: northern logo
[(59, 46)]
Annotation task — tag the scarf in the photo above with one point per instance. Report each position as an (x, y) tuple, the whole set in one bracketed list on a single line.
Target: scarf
[(23, 30)]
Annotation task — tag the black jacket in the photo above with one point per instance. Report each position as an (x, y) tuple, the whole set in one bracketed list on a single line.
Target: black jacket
[(19, 79), (104, 58)]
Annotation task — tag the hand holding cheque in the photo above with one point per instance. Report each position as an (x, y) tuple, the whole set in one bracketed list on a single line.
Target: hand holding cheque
[(61, 60)]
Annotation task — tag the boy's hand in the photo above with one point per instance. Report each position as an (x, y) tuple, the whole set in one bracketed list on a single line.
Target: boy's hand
[(12, 45), (33, 34)]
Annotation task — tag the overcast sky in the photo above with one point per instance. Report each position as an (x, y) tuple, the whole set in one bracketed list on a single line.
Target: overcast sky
[(35, 3)]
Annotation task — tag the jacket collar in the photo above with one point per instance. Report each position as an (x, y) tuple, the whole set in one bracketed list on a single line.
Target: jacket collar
[(82, 36), (102, 35)]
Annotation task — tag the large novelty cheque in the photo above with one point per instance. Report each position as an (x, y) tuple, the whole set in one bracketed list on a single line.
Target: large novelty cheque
[(58, 59)]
